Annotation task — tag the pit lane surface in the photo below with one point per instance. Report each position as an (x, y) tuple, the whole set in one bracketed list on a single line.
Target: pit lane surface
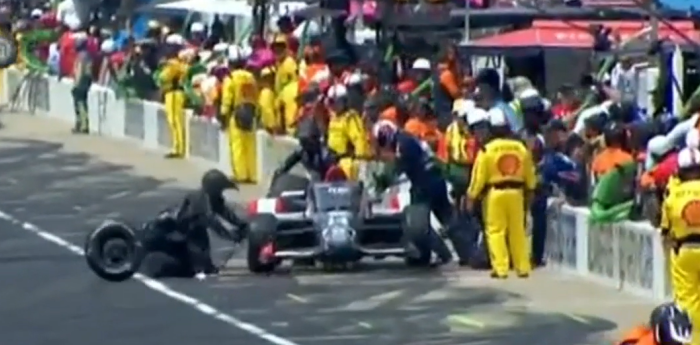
[(65, 185)]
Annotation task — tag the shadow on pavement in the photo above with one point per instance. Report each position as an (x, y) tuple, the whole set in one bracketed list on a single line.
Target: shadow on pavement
[(70, 193)]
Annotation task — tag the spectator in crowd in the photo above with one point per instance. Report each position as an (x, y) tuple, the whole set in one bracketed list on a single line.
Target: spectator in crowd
[(615, 152), (623, 79), (567, 103), (83, 78)]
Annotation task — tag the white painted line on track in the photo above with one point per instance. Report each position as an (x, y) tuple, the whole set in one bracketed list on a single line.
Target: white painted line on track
[(159, 287)]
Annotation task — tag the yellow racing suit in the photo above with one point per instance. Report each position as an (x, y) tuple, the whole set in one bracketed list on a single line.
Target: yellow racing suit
[(457, 144), (269, 117), (238, 106), (288, 107), (504, 174), (347, 138), (172, 81), (286, 72), (680, 222)]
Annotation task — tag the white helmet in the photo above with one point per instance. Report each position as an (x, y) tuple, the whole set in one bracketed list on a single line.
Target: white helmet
[(688, 158), (108, 46), (234, 53), (421, 64), (196, 27), (337, 91)]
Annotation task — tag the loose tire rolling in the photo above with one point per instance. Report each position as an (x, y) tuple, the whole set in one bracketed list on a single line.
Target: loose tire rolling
[(416, 225), (261, 233), (114, 252)]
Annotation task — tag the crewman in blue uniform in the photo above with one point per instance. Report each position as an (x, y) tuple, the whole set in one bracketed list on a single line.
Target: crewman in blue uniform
[(555, 168), (417, 161)]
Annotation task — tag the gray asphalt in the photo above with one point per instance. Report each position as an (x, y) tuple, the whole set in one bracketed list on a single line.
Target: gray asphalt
[(65, 185)]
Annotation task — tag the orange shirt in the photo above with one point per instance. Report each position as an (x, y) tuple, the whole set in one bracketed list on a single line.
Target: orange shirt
[(608, 159), (390, 114), (449, 81), (423, 130), (640, 335)]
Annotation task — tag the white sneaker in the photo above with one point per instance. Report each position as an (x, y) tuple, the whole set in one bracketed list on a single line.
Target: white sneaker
[(200, 276)]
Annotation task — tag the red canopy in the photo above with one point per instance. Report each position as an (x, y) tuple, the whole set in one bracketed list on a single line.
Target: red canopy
[(574, 34)]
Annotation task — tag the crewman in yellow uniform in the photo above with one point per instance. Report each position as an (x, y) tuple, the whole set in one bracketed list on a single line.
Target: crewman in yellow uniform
[(239, 113), (288, 106), (346, 133), (286, 68), (504, 175), (269, 116), (172, 81), (680, 227)]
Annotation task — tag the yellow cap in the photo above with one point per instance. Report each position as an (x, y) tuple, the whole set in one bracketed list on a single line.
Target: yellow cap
[(280, 39)]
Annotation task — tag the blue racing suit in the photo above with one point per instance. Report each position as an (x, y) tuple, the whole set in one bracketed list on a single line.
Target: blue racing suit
[(418, 163), (555, 169)]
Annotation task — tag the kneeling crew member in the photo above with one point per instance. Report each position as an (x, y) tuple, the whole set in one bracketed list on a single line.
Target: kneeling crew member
[(201, 210), (504, 175), (668, 325)]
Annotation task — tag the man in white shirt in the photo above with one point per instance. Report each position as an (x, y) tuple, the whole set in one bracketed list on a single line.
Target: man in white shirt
[(623, 78)]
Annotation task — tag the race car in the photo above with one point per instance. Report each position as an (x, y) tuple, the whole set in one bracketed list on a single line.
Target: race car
[(335, 222)]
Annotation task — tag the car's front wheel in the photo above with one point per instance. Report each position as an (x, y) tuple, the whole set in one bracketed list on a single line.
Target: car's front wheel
[(261, 238)]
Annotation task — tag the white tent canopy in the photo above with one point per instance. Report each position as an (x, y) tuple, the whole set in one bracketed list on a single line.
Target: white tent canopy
[(226, 7)]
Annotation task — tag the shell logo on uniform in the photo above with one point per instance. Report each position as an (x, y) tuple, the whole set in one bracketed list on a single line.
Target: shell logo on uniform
[(508, 164), (691, 213)]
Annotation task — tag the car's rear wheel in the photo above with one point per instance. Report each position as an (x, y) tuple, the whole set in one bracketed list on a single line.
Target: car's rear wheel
[(113, 252), (416, 226), (261, 238)]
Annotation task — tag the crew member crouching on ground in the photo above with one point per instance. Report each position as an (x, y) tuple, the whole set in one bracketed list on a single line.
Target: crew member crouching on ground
[(504, 175), (668, 325)]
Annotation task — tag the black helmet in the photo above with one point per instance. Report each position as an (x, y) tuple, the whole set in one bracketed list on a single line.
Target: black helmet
[(214, 182), (671, 325)]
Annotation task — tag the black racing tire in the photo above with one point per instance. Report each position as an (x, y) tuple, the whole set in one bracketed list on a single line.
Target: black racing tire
[(287, 182), (121, 238), (262, 229), (415, 223)]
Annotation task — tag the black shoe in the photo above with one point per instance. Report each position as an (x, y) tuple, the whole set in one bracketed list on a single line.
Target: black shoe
[(173, 155), (464, 263), (495, 275), (77, 130), (523, 275)]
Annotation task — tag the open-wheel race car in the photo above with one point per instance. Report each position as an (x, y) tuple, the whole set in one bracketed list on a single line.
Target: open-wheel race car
[(334, 222)]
